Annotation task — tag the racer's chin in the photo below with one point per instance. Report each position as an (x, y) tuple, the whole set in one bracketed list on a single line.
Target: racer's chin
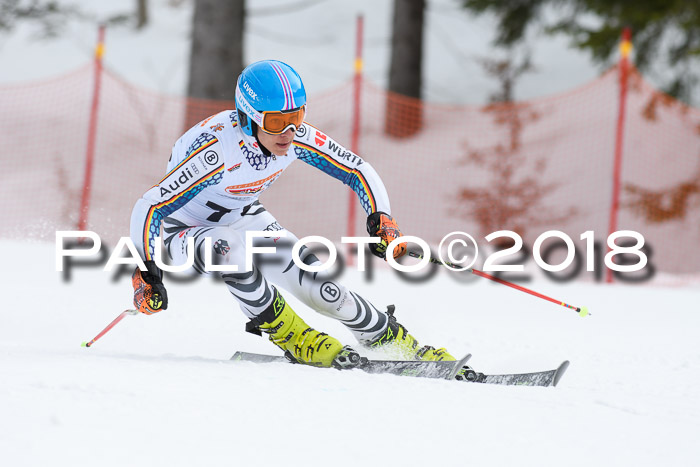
[(280, 149)]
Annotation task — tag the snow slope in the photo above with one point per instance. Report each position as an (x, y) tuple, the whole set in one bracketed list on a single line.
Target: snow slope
[(158, 390)]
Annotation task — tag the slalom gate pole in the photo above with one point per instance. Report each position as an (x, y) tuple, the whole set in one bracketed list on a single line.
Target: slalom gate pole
[(92, 133), (121, 316), (582, 311), (355, 135), (623, 70)]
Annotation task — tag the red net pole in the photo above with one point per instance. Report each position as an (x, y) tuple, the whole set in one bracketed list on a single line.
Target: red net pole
[(625, 48), (92, 130), (355, 137)]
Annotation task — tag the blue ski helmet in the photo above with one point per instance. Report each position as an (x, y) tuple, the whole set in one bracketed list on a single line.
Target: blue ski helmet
[(265, 90)]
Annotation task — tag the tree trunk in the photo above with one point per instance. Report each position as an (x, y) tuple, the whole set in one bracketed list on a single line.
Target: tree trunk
[(141, 13), (404, 116), (216, 56)]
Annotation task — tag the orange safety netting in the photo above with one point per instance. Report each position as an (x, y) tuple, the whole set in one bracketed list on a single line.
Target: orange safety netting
[(525, 166)]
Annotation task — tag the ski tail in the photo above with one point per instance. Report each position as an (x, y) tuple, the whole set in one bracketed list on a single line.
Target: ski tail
[(458, 366)]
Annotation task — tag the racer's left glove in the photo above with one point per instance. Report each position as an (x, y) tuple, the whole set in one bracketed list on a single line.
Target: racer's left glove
[(382, 225)]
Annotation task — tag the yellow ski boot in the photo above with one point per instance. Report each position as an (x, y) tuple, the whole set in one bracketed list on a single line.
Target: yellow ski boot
[(398, 343), (298, 340)]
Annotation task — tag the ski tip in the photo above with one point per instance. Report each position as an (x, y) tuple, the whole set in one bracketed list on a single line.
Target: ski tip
[(84, 344), (584, 312), (560, 372)]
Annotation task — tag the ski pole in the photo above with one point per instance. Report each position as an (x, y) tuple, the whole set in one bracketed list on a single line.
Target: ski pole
[(582, 311), (121, 316)]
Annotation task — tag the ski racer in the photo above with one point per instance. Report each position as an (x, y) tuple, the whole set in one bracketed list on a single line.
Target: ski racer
[(216, 172)]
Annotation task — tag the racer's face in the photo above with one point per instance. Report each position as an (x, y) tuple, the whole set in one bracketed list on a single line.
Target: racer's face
[(276, 144)]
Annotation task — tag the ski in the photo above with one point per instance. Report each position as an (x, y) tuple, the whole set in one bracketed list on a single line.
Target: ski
[(437, 370), (538, 378), (419, 369)]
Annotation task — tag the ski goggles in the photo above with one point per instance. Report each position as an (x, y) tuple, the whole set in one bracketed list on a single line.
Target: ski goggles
[(278, 122), (274, 122)]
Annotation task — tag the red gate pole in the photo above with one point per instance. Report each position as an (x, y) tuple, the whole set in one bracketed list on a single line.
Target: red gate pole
[(92, 129), (355, 137), (623, 68)]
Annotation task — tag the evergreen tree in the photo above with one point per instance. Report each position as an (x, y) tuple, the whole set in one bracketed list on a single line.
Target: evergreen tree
[(666, 33)]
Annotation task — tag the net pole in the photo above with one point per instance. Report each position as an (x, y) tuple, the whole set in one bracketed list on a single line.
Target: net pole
[(92, 130), (355, 136), (623, 69)]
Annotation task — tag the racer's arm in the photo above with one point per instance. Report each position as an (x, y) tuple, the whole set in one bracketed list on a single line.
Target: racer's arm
[(202, 166), (319, 150)]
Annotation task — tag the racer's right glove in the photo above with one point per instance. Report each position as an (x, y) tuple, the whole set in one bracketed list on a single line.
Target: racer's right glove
[(149, 292)]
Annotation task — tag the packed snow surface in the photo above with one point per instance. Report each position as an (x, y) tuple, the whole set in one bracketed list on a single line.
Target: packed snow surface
[(160, 390)]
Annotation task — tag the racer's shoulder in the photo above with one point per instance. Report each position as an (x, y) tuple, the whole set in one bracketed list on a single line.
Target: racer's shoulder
[(219, 125), (218, 128), (310, 137)]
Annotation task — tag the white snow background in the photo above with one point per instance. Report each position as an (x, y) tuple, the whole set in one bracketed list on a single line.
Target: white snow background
[(159, 390)]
